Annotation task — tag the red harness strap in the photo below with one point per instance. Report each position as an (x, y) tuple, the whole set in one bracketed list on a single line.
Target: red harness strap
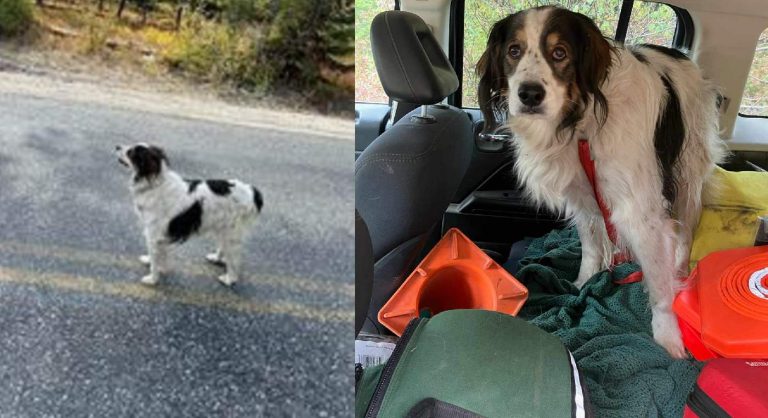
[(589, 169)]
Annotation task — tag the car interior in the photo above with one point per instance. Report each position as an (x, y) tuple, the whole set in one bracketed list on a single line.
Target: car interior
[(425, 165)]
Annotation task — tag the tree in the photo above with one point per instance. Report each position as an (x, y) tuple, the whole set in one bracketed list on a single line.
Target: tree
[(120, 8), (179, 11), (145, 6)]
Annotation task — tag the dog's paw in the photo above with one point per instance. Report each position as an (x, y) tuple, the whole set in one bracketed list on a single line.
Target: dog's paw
[(580, 282), (149, 279), (584, 276), (215, 258), (227, 279), (144, 259), (667, 334)]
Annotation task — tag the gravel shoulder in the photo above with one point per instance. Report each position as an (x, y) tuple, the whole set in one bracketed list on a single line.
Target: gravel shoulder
[(30, 80)]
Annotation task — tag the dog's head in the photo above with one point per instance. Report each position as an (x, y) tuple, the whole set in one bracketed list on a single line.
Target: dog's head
[(546, 64), (146, 161)]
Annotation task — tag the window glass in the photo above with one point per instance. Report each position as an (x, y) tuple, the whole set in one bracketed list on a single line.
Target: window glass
[(651, 23), (367, 85), (755, 99)]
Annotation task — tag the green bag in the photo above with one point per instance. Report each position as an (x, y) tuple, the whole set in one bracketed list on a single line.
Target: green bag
[(473, 363)]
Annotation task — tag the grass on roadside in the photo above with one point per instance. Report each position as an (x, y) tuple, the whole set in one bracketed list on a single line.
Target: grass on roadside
[(270, 51)]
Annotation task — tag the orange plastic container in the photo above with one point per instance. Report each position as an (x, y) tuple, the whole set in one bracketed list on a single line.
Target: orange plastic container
[(456, 274), (724, 310)]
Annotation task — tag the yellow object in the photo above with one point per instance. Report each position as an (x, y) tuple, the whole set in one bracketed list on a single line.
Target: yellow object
[(730, 220)]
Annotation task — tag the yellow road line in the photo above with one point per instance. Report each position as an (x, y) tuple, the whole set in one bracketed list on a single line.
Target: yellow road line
[(135, 290), (196, 271)]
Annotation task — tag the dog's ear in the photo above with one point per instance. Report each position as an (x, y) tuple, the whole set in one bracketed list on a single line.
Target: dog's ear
[(593, 64), (158, 153), (492, 87), (147, 161)]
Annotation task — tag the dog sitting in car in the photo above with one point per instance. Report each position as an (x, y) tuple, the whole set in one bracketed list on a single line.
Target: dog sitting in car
[(173, 209)]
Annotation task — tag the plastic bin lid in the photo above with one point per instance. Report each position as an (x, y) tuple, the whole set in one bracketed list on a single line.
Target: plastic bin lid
[(732, 289)]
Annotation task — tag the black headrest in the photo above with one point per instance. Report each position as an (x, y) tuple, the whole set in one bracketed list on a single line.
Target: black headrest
[(411, 65)]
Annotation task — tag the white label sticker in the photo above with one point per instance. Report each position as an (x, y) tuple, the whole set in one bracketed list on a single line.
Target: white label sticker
[(372, 353), (756, 285)]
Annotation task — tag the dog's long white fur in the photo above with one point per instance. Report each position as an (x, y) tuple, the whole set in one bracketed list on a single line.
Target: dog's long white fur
[(628, 172)]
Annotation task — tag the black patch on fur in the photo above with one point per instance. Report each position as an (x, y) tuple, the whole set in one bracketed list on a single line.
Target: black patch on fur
[(668, 141), (492, 70), (586, 67), (670, 52), (639, 55), (183, 225), (257, 198), (193, 185), (147, 161), (219, 187)]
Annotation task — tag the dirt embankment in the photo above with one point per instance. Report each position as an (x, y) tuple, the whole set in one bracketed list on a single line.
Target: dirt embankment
[(21, 78)]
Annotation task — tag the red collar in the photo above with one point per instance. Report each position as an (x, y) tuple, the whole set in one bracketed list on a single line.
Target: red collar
[(588, 164)]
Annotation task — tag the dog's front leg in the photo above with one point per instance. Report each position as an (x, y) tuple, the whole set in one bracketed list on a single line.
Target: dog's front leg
[(231, 250), (216, 257), (652, 240), (158, 255), (593, 246)]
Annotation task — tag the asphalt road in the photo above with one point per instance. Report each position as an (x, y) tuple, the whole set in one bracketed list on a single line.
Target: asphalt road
[(80, 336)]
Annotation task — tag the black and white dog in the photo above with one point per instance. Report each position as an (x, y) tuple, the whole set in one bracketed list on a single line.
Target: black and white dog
[(172, 209), (650, 119)]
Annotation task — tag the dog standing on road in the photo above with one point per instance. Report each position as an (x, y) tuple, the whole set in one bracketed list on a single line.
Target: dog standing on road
[(650, 119), (173, 209)]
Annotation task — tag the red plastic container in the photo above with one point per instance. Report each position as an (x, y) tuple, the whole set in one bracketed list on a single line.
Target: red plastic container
[(730, 387), (724, 310), (456, 274)]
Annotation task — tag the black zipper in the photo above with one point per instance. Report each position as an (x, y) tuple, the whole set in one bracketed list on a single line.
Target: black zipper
[(703, 406), (389, 369)]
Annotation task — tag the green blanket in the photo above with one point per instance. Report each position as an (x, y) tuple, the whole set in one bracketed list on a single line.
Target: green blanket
[(607, 327)]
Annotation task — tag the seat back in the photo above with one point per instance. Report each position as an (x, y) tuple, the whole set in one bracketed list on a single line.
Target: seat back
[(406, 178), (363, 271)]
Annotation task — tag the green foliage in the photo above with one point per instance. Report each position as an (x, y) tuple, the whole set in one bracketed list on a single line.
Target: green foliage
[(95, 39), (755, 99), (15, 16), (651, 23), (217, 54), (265, 44), (146, 5), (247, 11), (367, 85), (301, 37), (254, 45), (290, 44), (338, 35)]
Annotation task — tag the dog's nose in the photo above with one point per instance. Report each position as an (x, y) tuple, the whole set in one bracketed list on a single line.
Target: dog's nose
[(531, 94), (118, 147)]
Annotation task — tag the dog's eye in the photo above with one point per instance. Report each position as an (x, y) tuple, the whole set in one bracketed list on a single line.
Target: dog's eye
[(514, 51), (558, 54)]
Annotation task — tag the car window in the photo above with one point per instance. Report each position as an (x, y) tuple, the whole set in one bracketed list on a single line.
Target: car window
[(755, 99), (367, 85), (649, 23)]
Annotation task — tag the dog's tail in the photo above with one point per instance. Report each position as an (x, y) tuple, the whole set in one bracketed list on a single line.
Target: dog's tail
[(258, 200)]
